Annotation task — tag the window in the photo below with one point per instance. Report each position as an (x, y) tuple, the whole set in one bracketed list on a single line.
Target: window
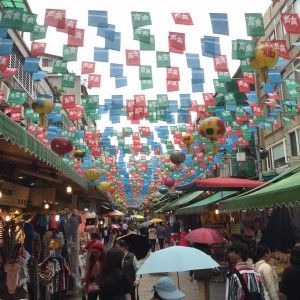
[(278, 155), (47, 62), (295, 140)]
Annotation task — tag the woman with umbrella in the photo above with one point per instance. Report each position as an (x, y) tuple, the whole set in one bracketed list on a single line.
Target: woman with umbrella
[(130, 265)]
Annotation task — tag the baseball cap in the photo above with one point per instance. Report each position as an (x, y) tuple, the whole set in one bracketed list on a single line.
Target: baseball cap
[(98, 246), (166, 289)]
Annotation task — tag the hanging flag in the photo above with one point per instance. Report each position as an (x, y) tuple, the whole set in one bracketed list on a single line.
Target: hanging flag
[(94, 80), (107, 33), (210, 46), (6, 46), (68, 80), (4, 62), (77, 39), (255, 24), (172, 85), (9, 72), (68, 101), (182, 18), (148, 46), (140, 19), (290, 22), (55, 18), (280, 46), (17, 97), (37, 48), (60, 66), (173, 74), (163, 59), (133, 57), (220, 63), (31, 64), (70, 26), (97, 18), (70, 53), (101, 54), (114, 44), (249, 77), (87, 67), (243, 86), (142, 35), (39, 75), (39, 32), (145, 72), (177, 41), (219, 23)]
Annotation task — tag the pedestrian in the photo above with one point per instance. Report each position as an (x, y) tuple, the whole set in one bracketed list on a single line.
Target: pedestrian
[(168, 233), (152, 237), (106, 232), (238, 254), (94, 238), (166, 289), (113, 282), (203, 276), (124, 228), (182, 240), (130, 265), (290, 282), (96, 263), (268, 275), (112, 237), (161, 235)]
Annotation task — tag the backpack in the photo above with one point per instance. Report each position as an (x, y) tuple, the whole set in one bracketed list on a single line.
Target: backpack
[(248, 295)]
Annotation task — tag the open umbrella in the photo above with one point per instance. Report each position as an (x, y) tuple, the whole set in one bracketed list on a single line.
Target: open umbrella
[(115, 213), (144, 224), (177, 259), (205, 236), (156, 220), (137, 217), (137, 244)]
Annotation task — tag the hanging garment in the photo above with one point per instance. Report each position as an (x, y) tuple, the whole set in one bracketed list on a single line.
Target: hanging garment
[(12, 276)]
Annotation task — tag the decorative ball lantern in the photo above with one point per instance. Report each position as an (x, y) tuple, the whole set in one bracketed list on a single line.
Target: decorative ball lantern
[(112, 189), (172, 167), (42, 106), (169, 182), (79, 154), (61, 145), (92, 174), (212, 128), (177, 157), (104, 186), (188, 139), (265, 57)]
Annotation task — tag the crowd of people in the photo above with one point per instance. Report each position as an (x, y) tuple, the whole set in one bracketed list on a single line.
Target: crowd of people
[(112, 269)]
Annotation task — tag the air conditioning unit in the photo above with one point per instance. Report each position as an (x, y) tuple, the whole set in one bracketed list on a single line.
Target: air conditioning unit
[(294, 160)]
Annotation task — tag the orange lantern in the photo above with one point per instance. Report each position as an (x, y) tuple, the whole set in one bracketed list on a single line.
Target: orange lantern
[(265, 57), (112, 189), (92, 174), (104, 186), (188, 139)]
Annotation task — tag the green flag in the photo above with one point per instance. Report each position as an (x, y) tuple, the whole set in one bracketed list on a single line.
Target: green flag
[(162, 100), (140, 19), (70, 53), (148, 46), (145, 72), (142, 35), (163, 59), (60, 66), (39, 32), (255, 24), (146, 84), (68, 80), (17, 97)]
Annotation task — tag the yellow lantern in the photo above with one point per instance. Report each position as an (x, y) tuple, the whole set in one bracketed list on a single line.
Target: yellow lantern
[(104, 186), (79, 154), (265, 57), (92, 174), (42, 105), (188, 139), (212, 128), (172, 167)]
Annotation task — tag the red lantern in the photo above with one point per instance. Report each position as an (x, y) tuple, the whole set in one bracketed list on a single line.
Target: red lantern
[(169, 182), (112, 189), (61, 145)]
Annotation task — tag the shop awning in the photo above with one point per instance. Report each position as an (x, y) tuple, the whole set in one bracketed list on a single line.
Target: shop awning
[(16, 135), (183, 200), (203, 205), (283, 192), (15, 4)]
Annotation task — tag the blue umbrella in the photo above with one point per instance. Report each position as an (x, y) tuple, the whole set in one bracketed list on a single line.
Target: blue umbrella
[(177, 259)]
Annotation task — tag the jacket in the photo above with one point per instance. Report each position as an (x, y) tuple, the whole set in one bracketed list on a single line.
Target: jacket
[(269, 277)]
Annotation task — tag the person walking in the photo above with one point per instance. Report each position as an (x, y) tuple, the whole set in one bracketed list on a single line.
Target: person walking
[(94, 238), (165, 289), (203, 276), (269, 277), (112, 237), (168, 233), (113, 282), (152, 237), (238, 254), (124, 228), (290, 282), (130, 265), (161, 235), (96, 263)]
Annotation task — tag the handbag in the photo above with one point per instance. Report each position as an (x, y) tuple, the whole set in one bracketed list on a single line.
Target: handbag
[(248, 295), (93, 287)]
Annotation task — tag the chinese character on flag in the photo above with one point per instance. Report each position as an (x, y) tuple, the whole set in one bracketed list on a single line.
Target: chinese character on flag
[(37, 48), (94, 81), (4, 62), (87, 67), (133, 58), (68, 101), (220, 63), (55, 18)]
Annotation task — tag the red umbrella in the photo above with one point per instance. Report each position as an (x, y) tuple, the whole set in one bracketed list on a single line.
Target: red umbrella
[(205, 236)]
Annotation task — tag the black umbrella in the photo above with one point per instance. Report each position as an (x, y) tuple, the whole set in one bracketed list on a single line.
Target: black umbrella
[(137, 244)]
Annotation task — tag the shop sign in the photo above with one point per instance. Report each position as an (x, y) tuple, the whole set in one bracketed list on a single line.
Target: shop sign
[(210, 218), (13, 194)]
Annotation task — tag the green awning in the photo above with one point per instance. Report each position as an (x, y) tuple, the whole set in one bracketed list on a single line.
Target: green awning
[(203, 205), (183, 200), (15, 4), (12, 132), (283, 192)]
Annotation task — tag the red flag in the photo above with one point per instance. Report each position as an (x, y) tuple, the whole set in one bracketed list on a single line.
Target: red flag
[(177, 40), (220, 63), (273, 96), (94, 81), (77, 39), (70, 26), (243, 86), (32, 129), (172, 86), (209, 99), (257, 110), (10, 72), (73, 115), (55, 18), (87, 67), (4, 62), (290, 22), (37, 48), (72, 128), (173, 73), (182, 18), (249, 77), (68, 101), (140, 100), (280, 46), (133, 58)]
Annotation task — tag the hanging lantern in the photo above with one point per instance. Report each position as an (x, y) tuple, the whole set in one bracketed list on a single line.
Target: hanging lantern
[(177, 157), (212, 128), (112, 189), (79, 154), (42, 105), (172, 167), (188, 139), (92, 174), (169, 182), (265, 57), (61, 145), (104, 186)]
